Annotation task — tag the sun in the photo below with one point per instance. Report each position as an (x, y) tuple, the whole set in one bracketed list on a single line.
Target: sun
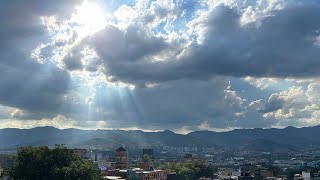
[(89, 18)]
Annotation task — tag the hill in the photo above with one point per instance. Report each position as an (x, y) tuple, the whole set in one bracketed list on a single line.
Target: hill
[(287, 139)]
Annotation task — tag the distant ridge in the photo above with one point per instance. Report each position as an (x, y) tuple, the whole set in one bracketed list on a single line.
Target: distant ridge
[(286, 139)]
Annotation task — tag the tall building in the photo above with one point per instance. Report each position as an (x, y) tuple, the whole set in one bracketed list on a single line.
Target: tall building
[(121, 158)]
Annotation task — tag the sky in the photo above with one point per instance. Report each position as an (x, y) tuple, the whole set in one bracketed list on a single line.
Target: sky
[(182, 65)]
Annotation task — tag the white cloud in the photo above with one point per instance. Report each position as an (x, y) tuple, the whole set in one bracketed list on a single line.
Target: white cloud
[(206, 126), (294, 106), (261, 83), (58, 122)]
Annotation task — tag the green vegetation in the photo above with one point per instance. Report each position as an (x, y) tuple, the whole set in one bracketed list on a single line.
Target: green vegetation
[(58, 163), (189, 170), (147, 158)]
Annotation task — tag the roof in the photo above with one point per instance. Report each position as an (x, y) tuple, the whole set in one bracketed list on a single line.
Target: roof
[(121, 149), (112, 177)]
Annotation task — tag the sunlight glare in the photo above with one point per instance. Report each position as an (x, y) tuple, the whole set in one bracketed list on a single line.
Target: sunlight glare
[(90, 18)]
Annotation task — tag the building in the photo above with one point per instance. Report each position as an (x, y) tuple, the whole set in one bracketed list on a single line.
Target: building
[(138, 174), (245, 176), (297, 177), (266, 173), (121, 158), (205, 178), (1, 171), (152, 175), (145, 166), (117, 173), (189, 156), (303, 176), (227, 174), (172, 176), (148, 152), (317, 174), (197, 160), (113, 178), (306, 175), (282, 177), (106, 164)]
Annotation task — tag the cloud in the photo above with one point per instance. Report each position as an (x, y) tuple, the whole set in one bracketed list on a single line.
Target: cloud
[(31, 86), (161, 64), (294, 106), (287, 104), (281, 45), (123, 52), (72, 60), (278, 44), (274, 103), (21, 20), (58, 122), (178, 103), (205, 126), (24, 83)]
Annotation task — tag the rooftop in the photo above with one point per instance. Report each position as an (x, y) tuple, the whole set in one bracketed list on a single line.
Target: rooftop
[(121, 149)]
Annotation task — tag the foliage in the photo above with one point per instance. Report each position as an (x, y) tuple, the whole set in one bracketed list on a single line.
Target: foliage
[(190, 170), (147, 158), (135, 164), (58, 163), (206, 171)]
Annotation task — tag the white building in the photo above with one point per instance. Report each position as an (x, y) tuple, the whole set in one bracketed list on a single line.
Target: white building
[(105, 164), (306, 175)]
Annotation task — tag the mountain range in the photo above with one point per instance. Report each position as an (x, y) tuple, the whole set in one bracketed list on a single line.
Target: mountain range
[(287, 139)]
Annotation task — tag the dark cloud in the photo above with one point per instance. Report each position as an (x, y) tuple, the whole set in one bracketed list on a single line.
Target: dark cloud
[(124, 53), (24, 83), (29, 85), (274, 103), (132, 45), (72, 60), (283, 45), (20, 20)]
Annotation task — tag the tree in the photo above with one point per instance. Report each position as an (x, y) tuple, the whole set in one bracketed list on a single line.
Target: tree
[(206, 171), (147, 158), (59, 163), (189, 170)]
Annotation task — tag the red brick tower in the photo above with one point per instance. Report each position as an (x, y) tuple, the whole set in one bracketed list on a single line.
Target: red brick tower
[(121, 158)]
